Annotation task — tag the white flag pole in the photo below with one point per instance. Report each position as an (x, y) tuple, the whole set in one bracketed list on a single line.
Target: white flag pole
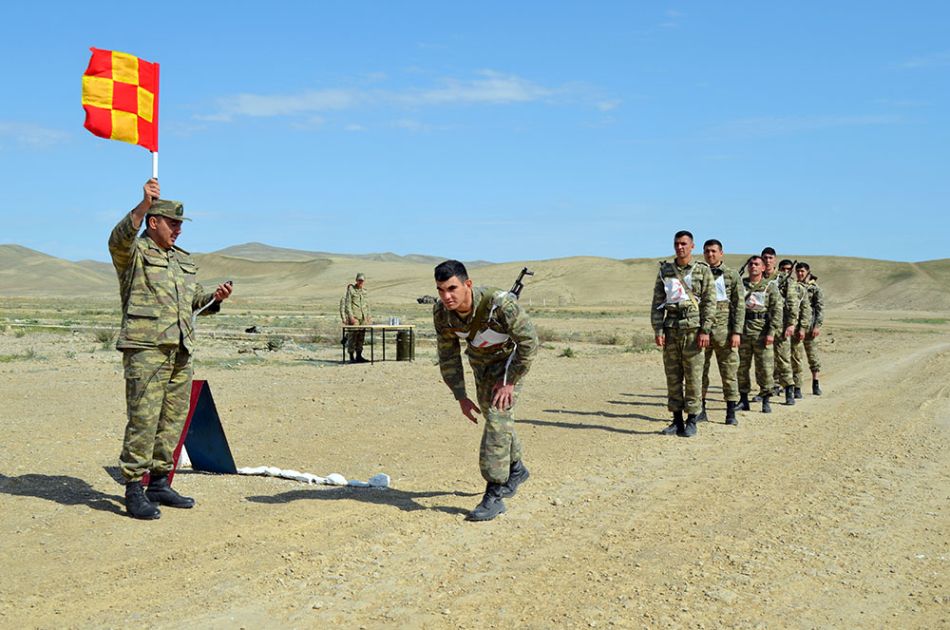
[(154, 164)]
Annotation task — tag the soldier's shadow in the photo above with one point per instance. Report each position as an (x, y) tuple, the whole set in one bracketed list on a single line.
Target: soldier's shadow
[(61, 489), (596, 427), (402, 499)]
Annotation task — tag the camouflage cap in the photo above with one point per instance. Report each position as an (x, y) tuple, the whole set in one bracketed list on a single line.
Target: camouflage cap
[(361, 276), (168, 208)]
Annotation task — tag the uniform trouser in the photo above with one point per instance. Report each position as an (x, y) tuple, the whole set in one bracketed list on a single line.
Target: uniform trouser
[(727, 358), (500, 444), (799, 360), (683, 364), (354, 341), (157, 395), (811, 350), (783, 360), (753, 347)]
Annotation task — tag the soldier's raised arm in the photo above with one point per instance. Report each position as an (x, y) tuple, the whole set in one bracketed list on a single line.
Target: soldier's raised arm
[(122, 238)]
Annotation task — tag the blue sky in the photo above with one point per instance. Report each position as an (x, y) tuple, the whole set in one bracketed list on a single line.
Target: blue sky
[(494, 130)]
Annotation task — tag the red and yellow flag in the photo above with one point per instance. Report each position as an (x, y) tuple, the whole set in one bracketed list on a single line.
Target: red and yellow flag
[(120, 96)]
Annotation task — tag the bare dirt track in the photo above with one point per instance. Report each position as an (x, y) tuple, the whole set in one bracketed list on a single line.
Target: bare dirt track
[(831, 513)]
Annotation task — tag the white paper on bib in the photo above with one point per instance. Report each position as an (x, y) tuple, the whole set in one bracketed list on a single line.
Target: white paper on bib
[(755, 299), (676, 293), (721, 289)]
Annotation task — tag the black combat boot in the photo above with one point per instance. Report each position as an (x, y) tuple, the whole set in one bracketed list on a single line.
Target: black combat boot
[(352, 357), (731, 412), (160, 492), (517, 475), (137, 505), (798, 393), (676, 427), (766, 407), (815, 389), (360, 359), (491, 505), (789, 395), (777, 390), (689, 428), (702, 417), (744, 402)]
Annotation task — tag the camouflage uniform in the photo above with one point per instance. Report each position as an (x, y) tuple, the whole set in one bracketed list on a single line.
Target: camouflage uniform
[(159, 293), (817, 300), (355, 305), (728, 320), (763, 318), (501, 342), (799, 360), (679, 313), (792, 297)]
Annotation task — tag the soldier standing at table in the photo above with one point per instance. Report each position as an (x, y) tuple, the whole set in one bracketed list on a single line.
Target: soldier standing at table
[(356, 311), (817, 301), (159, 292), (763, 321), (682, 312), (501, 343), (728, 323)]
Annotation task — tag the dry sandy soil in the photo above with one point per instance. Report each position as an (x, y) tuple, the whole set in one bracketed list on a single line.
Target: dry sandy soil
[(831, 513)]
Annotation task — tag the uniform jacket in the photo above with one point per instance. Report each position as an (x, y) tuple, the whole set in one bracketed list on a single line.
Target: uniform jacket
[(763, 297), (497, 330), (672, 306), (355, 304), (158, 289), (730, 299)]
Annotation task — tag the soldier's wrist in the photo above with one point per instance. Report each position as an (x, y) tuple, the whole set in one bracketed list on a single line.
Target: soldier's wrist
[(459, 394)]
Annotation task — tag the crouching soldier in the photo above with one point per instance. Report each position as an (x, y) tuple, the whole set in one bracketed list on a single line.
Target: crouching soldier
[(500, 343)]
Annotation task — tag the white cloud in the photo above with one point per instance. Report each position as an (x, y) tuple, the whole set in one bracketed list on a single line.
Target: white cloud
[(263, 106), (32, 135), (767, 126), (488, 87), (933, 60)]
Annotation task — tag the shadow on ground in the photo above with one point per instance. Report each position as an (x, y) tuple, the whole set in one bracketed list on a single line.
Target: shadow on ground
[(402, 499), (61, 489)]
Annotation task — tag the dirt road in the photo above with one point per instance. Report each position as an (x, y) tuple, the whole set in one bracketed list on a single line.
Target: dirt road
[(831, 513)]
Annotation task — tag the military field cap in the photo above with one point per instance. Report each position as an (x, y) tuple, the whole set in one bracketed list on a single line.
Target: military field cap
[(168, 208), (361, 276)]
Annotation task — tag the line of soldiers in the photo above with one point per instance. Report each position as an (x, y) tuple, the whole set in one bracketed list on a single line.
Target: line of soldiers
[(703, 308)]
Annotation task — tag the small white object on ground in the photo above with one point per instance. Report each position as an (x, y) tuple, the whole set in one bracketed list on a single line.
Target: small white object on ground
[(379, 480)]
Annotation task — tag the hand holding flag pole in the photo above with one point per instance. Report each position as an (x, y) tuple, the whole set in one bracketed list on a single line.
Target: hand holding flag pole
[(120, 96)]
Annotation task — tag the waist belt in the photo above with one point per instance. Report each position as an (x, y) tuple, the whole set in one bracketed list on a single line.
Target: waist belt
[(762, 315), (724, 305)]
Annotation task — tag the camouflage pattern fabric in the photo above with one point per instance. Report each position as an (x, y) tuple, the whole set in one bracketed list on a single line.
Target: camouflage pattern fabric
[(683, 364), (817, 300), (763, 318), (158, 289), (793, 298), (157, 395), (509, 361), (797, 350), (680, 323), (159, 293), (729, 319), (355, 304)]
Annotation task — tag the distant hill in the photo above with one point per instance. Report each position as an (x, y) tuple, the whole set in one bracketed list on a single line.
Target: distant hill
[(264, 272), (260, 251)]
